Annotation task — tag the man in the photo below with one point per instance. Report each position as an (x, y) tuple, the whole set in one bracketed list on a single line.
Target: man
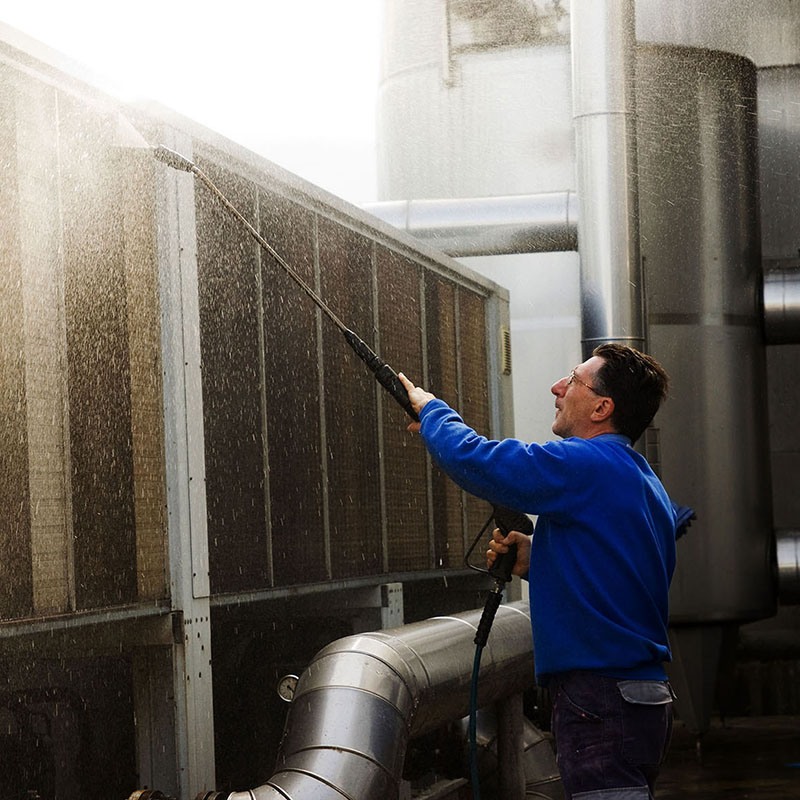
[(599, 563)]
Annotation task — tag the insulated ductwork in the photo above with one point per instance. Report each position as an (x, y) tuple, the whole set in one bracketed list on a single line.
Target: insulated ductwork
[(364, 697)]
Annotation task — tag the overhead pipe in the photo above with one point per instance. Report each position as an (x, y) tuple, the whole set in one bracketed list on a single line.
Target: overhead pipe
[(363, 698), (548, 223), (603, 38), (481, 226)]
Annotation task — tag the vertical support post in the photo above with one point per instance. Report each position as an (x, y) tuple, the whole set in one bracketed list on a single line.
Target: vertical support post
[(509, 748), (185, 464)]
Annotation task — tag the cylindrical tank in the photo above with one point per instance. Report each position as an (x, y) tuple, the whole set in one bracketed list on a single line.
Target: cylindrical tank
[(697, 138), (492, 116)]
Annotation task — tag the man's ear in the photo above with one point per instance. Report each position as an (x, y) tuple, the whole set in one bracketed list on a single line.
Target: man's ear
[(603, 409)]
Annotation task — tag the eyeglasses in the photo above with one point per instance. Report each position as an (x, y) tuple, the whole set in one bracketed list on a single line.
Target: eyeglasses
[(573, 377)]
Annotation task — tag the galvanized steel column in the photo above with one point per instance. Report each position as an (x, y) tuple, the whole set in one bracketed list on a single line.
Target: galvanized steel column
[(193, 733), (603, 65)]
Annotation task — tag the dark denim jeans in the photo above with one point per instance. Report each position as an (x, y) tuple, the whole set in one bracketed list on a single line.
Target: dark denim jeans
[(611, 735)]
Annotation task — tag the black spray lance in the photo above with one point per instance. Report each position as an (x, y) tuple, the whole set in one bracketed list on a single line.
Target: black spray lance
[(383, 373)]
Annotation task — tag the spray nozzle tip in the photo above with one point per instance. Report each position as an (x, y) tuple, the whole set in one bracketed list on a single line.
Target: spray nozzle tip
[(173, 159)]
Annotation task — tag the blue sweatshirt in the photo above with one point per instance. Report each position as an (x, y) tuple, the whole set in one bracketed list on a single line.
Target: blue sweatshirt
[(603, 550)]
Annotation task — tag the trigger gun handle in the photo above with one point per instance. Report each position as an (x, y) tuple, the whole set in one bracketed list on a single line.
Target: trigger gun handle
[(507, 521)]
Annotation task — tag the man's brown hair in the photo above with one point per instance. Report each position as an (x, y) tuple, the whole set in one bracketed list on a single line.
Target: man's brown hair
[(637, 384)]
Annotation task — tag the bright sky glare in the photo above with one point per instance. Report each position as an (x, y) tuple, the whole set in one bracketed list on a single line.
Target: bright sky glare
[(293, 81)]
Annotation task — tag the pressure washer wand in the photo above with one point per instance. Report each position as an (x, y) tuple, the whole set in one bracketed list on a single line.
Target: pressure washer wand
[(383, 373)]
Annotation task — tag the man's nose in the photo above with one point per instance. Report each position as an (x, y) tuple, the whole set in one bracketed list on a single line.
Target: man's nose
[(559, 387)]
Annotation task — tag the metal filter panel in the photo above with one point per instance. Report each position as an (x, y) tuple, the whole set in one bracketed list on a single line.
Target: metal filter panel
[(98, 368), (308, 474), (295, 424), (443, 370), (474, 388), (405, 472), (346, 280), (15, 533), (292, 397), (228, 266)]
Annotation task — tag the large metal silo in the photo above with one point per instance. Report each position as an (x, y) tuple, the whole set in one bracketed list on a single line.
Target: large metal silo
[(697, 137)]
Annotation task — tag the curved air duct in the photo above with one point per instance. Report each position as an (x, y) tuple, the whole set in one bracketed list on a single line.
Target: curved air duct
[(362, 699)]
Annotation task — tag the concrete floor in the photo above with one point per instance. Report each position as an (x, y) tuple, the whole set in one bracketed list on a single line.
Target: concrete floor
[(746, 757)]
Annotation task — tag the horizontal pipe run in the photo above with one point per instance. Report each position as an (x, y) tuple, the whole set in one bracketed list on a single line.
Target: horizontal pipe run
[(487, 226)]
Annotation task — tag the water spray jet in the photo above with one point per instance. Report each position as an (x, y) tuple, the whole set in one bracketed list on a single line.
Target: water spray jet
[(383, 373)]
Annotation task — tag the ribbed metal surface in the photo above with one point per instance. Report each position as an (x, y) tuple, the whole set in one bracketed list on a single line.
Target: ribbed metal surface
[(292, 397), (440, 301), (228, 284), (286, 469), (15, 533), (400, 307), (346, 280), (474, 400), (84, 455), (298, 458), (98, 373)]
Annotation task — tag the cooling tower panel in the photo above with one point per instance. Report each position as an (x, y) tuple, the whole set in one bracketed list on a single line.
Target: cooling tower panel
[(443, 372), (399, 282), (292, 396), (474, 399), (346, 281), (229, 291), (98, 370), (15, 532)]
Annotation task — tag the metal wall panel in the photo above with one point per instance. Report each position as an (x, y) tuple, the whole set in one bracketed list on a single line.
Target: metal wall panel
[(404, 463), (98, 371), (346, 280), (229, 289), (292, 397), (474, 400), (443, 380), (15, 524)]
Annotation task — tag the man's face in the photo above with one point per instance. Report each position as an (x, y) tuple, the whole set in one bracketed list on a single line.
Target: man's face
[(577, 400)]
